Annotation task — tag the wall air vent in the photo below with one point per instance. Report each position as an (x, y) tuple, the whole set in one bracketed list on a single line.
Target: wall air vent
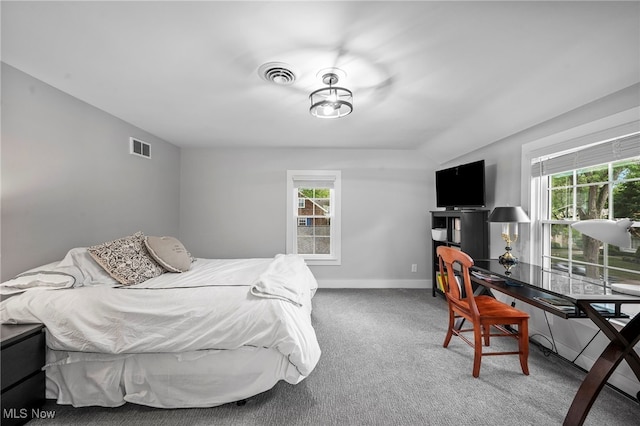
[(139, 148)]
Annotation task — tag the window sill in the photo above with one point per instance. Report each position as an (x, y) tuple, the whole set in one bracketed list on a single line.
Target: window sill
[(323, 262)]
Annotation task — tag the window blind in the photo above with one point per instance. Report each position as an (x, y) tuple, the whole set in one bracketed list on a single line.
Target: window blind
[(313, 181), (592, 155)]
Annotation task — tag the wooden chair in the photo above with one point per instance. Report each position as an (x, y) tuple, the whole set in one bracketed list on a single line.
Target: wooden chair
[(483, 312)]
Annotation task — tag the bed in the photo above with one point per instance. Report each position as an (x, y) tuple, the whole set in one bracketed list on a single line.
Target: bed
[(221, 330)]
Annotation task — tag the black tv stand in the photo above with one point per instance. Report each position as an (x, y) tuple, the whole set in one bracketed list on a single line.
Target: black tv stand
[(467, 230), (460, 209)]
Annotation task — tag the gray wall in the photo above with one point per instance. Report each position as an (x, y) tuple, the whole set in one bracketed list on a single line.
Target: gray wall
[(503, 158), (68, 179), (233, 204)]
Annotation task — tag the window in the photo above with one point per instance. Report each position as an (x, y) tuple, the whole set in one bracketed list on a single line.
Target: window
[(313, 215), (599, 181)]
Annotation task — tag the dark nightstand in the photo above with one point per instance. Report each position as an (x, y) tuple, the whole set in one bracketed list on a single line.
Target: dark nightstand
[(23, 381)]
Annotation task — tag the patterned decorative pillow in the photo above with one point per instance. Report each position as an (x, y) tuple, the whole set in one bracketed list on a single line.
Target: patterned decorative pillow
[(169, 252), (126, 259)]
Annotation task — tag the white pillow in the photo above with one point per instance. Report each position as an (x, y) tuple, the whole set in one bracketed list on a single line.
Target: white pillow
[(40, 277), (92, 273), (76, 269)]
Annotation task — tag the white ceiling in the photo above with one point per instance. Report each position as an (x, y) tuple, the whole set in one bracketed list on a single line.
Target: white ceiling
[(447, 77)]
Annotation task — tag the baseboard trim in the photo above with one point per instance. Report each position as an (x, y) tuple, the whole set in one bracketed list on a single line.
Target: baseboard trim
[(421, 284)]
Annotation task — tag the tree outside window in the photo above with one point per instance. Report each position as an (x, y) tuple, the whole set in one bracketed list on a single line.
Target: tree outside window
[(607, 191)]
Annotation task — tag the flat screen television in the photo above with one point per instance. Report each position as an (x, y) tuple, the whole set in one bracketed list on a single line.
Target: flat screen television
[(461, 186)]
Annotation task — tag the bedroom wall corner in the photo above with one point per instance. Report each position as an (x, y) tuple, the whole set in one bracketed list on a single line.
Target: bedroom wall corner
[(68, 180)]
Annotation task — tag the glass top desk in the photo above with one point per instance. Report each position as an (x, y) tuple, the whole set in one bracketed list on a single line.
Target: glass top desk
[(569, 297)]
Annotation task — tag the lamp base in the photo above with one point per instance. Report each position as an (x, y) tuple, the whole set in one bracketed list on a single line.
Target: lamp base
[(508, 259)]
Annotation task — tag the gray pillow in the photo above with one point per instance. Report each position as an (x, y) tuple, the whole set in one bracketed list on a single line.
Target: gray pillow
[(169, 252)]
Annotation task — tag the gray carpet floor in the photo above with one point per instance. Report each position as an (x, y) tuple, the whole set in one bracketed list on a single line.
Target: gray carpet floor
[(383, 364)]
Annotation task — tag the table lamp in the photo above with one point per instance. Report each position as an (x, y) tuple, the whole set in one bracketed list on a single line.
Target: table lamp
[(509, 217), (614, 232)]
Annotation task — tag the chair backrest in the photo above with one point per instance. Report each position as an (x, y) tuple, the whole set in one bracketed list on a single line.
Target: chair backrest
[(448, 258)]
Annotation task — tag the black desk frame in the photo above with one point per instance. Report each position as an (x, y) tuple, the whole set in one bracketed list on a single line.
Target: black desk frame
[(621, 344)]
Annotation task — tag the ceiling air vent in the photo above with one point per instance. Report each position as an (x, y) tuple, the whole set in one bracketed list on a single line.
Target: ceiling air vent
[(277, 73), (139, 148)]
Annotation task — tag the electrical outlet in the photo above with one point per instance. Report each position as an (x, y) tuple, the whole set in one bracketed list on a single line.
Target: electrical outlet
[(414, 267)]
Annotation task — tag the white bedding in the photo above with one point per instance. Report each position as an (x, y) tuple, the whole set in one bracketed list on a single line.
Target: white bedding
[(210, 307), (192, 379), (76, 269)]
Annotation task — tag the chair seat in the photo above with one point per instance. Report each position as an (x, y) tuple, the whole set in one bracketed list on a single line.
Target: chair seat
[(490, 308)]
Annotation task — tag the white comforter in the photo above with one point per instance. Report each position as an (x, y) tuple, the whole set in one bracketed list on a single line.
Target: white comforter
[(212, 306)]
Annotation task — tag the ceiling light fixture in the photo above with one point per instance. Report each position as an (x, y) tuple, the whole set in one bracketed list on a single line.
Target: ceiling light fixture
[(331, 102)]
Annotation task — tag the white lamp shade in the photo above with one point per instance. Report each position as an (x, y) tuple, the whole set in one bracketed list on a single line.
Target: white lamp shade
[(614, 232)]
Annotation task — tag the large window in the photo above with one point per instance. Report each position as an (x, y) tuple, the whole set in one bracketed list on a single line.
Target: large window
[(313, 215), (601, 181)]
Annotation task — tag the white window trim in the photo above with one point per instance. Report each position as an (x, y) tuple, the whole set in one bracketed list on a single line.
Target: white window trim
[(334, 176), (625, 122)]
